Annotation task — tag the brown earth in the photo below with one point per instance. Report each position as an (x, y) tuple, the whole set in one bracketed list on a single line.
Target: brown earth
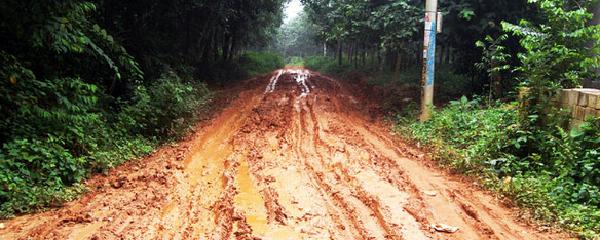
[(295, 161)]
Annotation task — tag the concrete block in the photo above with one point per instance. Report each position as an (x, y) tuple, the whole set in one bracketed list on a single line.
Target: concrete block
[(582, 99), (592, 100), (591, 112), (587, 94), (563, 96), (569, 97), (587, 90), (578, 113)]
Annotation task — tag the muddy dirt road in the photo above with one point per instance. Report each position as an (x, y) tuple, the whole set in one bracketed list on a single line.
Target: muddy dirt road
[(292, 157)]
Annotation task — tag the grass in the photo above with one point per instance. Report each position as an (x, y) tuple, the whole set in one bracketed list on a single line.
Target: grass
[(551, 174)]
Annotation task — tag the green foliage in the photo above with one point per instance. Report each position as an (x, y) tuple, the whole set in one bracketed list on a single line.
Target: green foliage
[(525, 153), (586, 169), (326, 65), (190, 32), (559, 53), (474, 134), (563, 50), (449, 83), (553, 173), (256, 63), (56, 134), (73, 102), (391, 31), (398, 23), (172, 102), (493, 62), (295, 61)]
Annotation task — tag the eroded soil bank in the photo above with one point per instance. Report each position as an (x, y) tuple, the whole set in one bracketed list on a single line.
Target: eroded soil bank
[(292, 157)]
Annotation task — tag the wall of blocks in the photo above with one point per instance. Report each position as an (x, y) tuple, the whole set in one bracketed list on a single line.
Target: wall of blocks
[(582, 102)]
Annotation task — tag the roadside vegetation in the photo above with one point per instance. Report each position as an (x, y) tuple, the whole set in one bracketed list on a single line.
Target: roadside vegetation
[(523, 148), (526, 151), (552, 172), (88, 85)]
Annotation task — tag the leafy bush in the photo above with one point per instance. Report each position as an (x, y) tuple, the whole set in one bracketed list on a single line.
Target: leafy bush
[(49, 127), (449, 84), (73, 101), (295, 61), (172, 102), (559, 53), (256, 63), (475, 135), (249, 64), (326, 65), (220, 72), (55, 132), (553, 173)]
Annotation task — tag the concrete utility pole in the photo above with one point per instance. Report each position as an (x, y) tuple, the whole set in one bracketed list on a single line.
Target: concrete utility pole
[(428, 73)]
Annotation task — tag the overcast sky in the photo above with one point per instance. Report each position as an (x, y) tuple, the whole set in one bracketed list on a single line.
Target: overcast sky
[(292, 9)]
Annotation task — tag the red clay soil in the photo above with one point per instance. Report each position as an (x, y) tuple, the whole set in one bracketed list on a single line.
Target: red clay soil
[(291, 157)]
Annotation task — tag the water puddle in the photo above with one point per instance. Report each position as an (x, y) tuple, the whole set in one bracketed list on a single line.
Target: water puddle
[(273, 81), (250, 201), (300, 76)]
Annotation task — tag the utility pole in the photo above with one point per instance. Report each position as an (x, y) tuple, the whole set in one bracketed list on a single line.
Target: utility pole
[(428, 73)]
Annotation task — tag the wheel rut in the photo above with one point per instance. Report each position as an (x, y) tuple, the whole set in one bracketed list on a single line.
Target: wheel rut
[(292, 157)]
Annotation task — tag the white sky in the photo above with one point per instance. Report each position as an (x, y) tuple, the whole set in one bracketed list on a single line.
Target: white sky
[(292, 9)]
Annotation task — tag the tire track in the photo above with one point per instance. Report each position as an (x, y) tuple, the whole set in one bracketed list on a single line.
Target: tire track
[(293, 157)]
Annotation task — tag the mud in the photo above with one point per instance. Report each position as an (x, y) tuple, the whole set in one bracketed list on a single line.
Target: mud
[(292, 157)]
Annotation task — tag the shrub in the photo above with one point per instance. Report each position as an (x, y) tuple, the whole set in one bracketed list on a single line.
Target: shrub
[(172, 103), (326, 65), (55, 132), (256, 63), (51, 128), (474, 135), (295, 61), (221, 72), (553, 173)]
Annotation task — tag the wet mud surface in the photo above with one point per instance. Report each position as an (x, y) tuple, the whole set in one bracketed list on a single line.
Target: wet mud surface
[(292, 157)]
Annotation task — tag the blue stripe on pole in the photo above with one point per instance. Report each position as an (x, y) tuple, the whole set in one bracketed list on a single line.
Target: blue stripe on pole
[(431, 55)]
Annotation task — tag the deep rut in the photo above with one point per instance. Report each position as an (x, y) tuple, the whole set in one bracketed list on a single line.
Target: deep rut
[(291, 158)]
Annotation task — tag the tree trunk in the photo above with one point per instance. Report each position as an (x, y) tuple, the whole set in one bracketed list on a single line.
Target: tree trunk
[(349, 53), (364, 55), (398, 63), (339, 53), (379, 62)]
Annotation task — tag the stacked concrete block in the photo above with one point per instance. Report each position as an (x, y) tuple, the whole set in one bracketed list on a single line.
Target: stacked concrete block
[(582, 102)]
